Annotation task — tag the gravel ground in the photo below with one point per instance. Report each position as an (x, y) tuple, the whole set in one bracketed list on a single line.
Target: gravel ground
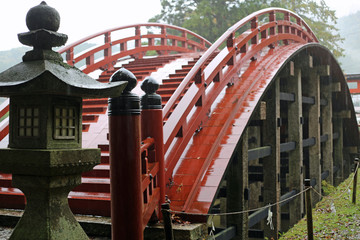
[(6, 232)]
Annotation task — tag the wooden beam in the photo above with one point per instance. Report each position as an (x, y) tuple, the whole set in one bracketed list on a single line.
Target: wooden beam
[(352, 149), (271, 137), (259, 152), (261, 113), (313, 89), (336, 87), (287, 147), (323, 70), (327, 130), (303, 62), (237, 185), (338, 150), (342, 114), (228, 233), (308, 100), (288, 97), (295, 133)]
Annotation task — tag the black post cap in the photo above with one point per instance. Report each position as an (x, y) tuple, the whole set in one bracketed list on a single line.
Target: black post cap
[(150, 100), (127, 103)]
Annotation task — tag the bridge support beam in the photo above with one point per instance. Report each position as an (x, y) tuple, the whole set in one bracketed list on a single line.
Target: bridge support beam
[(338, 150), (271, 164), (292, 84), (152, 126), (237, 189), (327, 129), (254, 142), (312, 88)]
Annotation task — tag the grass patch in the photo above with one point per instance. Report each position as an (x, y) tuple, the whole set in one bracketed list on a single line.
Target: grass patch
[(334, 217)]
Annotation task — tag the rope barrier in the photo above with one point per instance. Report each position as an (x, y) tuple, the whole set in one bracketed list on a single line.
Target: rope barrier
[(341, 193), (240, 212), (270, 214), (260, 208)]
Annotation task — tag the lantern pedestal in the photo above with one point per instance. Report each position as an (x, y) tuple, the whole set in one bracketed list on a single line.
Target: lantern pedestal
[(47, 214), (46, 177)]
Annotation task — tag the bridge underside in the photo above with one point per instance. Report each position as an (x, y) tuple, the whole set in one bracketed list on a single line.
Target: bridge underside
[(298, 125), (287, 118)]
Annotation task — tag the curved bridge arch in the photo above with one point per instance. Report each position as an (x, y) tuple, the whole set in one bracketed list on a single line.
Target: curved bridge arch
[(241, 46), (243, 113), (137, 39)]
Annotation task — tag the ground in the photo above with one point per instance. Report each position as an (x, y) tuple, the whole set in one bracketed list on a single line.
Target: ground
[(334, 217)]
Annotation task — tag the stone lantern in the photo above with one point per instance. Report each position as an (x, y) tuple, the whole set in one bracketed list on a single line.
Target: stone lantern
[(45, 154)]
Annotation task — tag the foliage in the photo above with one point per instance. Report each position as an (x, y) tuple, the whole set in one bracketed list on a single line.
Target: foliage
[(211, 18), (343, 223), (321, 19), (327, 188), (11, 57), (349, 28)]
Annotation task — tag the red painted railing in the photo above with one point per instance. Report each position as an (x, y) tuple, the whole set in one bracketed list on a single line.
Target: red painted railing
[(135, 40), (150, 181), (266, 28), (162, 38)]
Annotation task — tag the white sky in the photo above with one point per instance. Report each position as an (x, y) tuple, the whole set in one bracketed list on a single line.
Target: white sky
[(81, 18)]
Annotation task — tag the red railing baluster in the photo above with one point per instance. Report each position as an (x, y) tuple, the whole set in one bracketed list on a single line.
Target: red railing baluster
[(152, 126), (110, 57)]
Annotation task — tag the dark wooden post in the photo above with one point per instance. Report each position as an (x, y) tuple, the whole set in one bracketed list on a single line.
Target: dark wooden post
[(292, 84), (125, 161), (313, 89), (169, 235), (271, 137), (355, 180), (152, 126), (308, 203), (237, 190), (338, 149), (327, 129)]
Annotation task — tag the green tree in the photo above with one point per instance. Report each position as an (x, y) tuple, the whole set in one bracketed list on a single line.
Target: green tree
[(211, 18)]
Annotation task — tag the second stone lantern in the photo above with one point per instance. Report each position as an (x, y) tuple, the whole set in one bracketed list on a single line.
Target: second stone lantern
[(45, 154)]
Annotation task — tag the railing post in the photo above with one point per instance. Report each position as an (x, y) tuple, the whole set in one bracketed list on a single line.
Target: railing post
[(169, 235), (355, 180), (125, 161), (308, 203), (70, 56), (108, 50), (152, 126)]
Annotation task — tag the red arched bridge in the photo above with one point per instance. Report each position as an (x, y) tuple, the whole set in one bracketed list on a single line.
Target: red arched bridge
[(245, 120)]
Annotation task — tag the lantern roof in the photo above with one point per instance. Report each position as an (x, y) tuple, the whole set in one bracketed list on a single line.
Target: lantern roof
[(53, 77), (43, 70)]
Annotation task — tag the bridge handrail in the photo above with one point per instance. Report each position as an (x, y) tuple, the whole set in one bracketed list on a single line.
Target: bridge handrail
[(184, 41), (240, 47), (149, 185)]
